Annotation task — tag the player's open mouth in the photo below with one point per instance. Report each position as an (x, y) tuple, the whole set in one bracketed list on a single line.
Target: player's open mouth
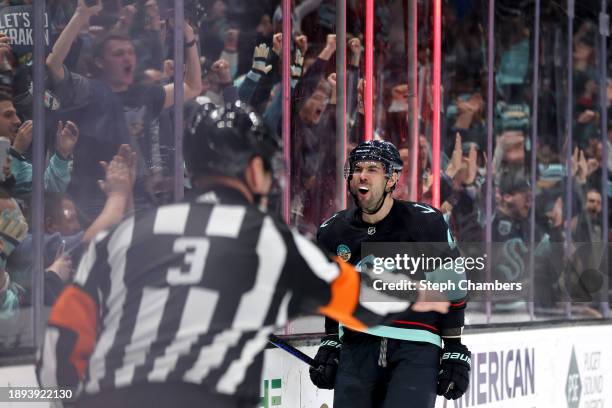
[(363, 190)]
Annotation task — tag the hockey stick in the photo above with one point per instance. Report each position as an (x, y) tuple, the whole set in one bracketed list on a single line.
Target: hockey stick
[(282, 344)]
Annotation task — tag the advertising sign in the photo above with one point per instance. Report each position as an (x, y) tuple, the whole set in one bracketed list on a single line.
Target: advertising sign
[(555, 367)]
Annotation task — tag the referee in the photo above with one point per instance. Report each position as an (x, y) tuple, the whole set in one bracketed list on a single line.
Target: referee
[(174, 306)]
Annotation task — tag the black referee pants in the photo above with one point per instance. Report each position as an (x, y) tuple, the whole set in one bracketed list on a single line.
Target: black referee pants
[(408, 380)]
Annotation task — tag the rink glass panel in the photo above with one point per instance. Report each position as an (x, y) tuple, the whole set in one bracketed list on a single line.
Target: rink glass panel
[(20, 306), (402, 113)]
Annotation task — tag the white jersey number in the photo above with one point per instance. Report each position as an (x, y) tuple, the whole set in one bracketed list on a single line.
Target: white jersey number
[(196, 252)]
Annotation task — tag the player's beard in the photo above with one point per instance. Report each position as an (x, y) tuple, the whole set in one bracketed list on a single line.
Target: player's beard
[(371, 202)]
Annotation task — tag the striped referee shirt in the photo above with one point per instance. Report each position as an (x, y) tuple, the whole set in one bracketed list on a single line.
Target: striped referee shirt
[(189, 293)]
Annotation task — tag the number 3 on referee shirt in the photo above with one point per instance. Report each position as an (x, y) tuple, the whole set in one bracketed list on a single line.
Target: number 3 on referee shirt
[(196, 252)]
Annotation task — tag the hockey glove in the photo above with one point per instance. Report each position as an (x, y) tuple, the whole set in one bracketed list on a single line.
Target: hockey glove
[(297, 68), (327, 359), (454, 375), (260, 57)]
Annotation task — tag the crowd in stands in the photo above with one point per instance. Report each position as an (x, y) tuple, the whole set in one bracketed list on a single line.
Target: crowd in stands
[(109, 99)]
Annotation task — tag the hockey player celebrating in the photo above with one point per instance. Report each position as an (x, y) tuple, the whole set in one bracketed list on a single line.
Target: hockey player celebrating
[(399, 365), (174, 306)]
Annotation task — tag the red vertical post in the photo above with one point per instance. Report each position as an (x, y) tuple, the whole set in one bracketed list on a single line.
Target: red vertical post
[(436, 92), (341, 117), (414, 153), (368, 98)]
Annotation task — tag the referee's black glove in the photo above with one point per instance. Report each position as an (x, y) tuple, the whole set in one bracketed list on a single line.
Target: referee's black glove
[(327, 359), (454, 375)]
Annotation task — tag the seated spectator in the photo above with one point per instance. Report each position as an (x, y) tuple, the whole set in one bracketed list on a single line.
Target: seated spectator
[(584, 49), (57, 174), (214, 30), (424, 162), (549, 210), (587, 227), (313, 145), (144, 25), (62, 235), (13, 229), (595, 165), (511, 215), (513, 68), (585, 109), (63, 240), (221, 89), (6, 65), (608, 159), (511, 230), (298, 12), (61, 214)]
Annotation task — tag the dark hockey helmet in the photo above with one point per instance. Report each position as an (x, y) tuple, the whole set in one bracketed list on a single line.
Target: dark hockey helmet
[(223, 140), (374, 150)]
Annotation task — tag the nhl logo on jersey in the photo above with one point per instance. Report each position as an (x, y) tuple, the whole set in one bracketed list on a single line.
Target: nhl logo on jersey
[(344, 252), (504, 227), (371, 230)]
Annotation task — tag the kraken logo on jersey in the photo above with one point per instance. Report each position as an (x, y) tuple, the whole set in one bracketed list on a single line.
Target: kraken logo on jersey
[(344, 252), (371, 230)]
